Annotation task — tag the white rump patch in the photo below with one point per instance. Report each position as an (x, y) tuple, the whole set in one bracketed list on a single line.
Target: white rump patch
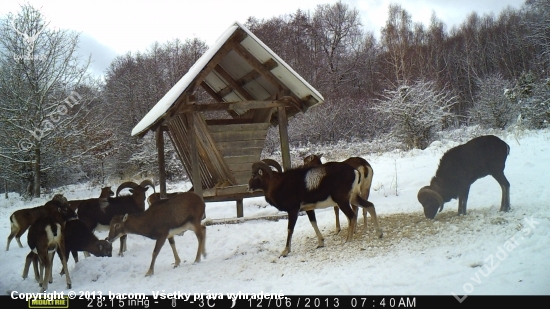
[(314, 177)]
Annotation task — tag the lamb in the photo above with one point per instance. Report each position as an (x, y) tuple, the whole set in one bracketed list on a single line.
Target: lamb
[(162, 221), (78, 237), (355, 162), (45, 237), (310, 188), (460, 167), (21, 219)]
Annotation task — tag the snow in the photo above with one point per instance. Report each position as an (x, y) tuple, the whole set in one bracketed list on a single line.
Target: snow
[(485, 252)]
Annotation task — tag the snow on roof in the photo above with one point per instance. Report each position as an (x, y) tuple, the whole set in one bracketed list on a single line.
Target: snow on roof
[(164, 104)]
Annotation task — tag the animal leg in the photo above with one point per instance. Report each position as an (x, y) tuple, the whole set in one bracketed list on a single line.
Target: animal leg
[(372, 212), (61, 253), (122, 245), (14, 230), (174, 251), (292, 217), (31, 257), (313, 221), (462, 201), (200, 232), (352, 218), (158, 245), (337, 215), (505, 186)]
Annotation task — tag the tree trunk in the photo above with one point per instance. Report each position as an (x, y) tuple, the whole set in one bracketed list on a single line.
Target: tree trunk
[(37, 172)]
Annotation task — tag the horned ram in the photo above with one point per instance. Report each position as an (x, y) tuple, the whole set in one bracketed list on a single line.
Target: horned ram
[(460, 167), (98, 213), (310, 188)]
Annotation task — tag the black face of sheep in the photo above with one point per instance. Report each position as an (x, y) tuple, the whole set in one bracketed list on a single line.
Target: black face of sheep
[(460, 167)]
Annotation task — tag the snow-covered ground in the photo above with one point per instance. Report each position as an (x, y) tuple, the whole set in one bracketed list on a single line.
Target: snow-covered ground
[(484, 252)]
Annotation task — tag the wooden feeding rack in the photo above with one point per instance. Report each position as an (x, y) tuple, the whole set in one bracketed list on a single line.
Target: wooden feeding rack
[(254, 89)]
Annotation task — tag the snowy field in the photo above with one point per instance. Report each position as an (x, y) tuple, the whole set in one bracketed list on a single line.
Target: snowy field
[(485, 252)]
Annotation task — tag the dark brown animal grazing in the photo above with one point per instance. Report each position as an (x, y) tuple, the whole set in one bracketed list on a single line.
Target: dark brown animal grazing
[(460, 167)]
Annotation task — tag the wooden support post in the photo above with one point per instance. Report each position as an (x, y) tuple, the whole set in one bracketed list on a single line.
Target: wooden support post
[(283, 135), (194, 152), (162, 165), (240, 211)]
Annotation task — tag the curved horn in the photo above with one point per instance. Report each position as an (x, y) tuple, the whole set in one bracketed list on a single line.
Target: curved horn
[(427, 196), (274, 164), (262, 166), (124, 185), (426, 193), (148, 182)]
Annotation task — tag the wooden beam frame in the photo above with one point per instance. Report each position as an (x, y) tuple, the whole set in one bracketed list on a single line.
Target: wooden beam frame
[(229, 45), (283, 135), (161, 162), (233, 83), (252, 75), (239, 105), (258, 66)]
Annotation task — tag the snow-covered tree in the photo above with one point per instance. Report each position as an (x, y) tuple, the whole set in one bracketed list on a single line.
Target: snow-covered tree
[(533, 96), (45, 98), (494, 107), (416, 112)]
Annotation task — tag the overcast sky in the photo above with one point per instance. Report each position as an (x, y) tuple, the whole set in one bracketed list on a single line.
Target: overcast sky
[(115, 27)]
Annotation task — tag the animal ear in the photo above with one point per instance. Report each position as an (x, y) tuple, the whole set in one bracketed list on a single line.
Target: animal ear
[(125, 218)]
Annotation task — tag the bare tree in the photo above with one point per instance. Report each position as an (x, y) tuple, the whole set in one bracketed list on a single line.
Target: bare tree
[(417, 112), (493, 106), (41, 109)]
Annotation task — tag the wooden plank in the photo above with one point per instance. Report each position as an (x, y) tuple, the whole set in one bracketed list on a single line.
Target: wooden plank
[(243, 176), (194, 153), (222, 146), (221, 122), (230, 160), (230, 136), (237, 105), (162, 167), (283, 133), (233, 83), (180, 140), (240, 167), (211, 152), (238, 127), (237, 220), (241, 151)]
